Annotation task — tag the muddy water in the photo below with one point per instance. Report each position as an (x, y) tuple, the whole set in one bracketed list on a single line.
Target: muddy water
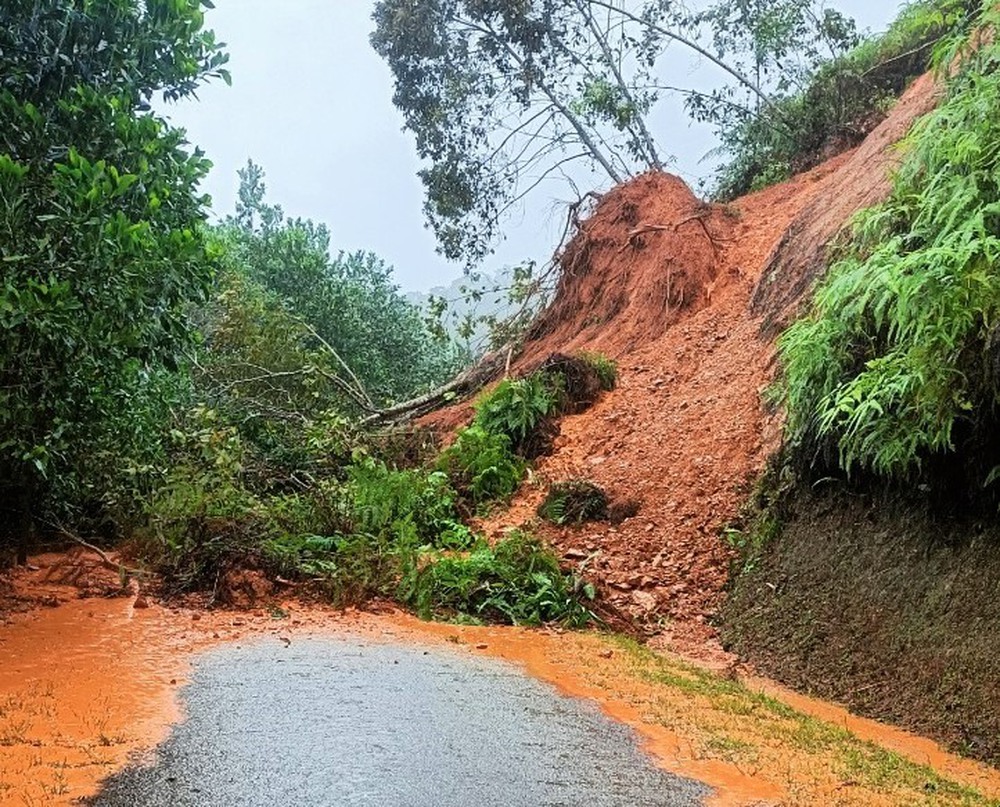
[(348, 722), (86, 685)]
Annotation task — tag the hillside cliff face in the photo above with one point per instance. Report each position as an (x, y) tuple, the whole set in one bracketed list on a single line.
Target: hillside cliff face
[(677, 291)]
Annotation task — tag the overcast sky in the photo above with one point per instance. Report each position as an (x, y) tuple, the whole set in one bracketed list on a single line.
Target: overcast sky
[(312, 103)]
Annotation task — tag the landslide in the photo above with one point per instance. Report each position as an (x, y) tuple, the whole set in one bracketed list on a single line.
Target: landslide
[(676, 291)]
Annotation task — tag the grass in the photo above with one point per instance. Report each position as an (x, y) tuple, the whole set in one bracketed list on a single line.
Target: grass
[(752, 730)]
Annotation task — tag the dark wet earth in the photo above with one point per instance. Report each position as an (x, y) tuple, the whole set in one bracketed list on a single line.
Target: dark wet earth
[(338, 722)]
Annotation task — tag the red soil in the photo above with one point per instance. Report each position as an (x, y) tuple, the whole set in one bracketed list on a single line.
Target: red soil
[(663, 284)]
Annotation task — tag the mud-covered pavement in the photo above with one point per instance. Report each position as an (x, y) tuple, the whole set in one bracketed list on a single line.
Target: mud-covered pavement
[(294, 695), (336, 721)]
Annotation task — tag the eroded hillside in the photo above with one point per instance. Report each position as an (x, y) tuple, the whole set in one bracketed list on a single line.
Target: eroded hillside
[(684, 296)]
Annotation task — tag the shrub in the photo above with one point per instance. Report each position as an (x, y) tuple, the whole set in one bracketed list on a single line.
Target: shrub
[(517, 581), (897, 357), (381, 499), (351, 568), (518, 410), (481, 466), (574, 502), (843, 101)]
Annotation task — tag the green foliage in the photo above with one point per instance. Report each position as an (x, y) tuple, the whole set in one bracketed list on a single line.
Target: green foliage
[(835, 101), (574, 502), (517, 581), (100, 240), (517, 408), (382, 499), (481, 466), (376, 341), (605, 368), (897, 356)]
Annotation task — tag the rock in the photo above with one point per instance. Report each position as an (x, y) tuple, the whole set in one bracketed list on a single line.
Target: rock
[(645, 600)]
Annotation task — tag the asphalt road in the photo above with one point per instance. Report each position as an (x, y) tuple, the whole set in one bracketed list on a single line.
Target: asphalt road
[(331, 722)]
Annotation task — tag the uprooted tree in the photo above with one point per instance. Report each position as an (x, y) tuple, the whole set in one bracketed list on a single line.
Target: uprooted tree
[(504, 96)]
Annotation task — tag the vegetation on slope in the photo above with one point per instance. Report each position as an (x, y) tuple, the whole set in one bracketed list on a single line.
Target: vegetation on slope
[(895, 365), (836, 104)]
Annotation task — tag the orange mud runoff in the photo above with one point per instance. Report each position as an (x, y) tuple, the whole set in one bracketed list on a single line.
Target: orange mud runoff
[(88, 684)]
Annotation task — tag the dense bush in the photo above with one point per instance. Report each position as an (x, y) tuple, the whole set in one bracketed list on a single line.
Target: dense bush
[(102, 246), (842, 101), (382, 499), (517, 581), (518, 410), (897, 361)]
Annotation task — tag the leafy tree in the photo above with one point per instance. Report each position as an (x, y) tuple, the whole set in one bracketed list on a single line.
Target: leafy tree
[(100, 237), (503, 95), (382, 351)]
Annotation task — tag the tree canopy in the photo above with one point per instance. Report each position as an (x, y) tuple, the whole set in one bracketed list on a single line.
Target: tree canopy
[(102, 246)]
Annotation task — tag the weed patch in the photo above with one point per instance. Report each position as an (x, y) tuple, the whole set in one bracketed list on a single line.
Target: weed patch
[(517, 581), (574, 502)]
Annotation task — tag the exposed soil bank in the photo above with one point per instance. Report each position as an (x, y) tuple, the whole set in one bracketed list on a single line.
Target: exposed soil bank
[(883, 605)]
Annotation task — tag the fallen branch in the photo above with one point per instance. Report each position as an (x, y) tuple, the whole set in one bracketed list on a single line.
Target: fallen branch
[(469, 382), (106, 560)]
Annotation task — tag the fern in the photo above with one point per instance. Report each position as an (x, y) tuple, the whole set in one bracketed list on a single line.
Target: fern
[(893, 357), (517, 581), (574, 502), (515, 409)]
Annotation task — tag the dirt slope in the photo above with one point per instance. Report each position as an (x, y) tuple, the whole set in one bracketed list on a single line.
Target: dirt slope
[(671, 288)]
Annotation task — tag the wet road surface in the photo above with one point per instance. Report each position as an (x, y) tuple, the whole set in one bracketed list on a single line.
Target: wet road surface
[(339, 722)]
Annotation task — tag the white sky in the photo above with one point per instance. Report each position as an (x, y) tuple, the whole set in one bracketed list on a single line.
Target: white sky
[(312, 103)]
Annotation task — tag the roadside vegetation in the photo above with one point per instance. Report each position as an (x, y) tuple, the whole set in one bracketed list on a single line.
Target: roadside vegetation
[(355, 525), (203, 392), (893, 372)]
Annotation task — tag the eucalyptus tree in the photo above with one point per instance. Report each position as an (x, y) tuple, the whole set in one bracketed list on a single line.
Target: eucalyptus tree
[(503, 95)]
